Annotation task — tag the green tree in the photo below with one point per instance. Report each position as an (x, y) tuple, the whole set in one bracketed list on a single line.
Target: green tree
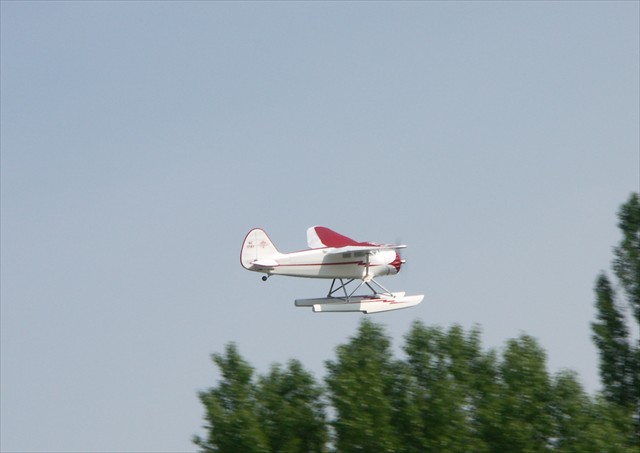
[(619, 356), (405, 420), (446, 394), (524, 409), (581, 424), (571, 412), (611, 336), (291, 410), (489, 387), (611, 428), (626, 264), (231, 415), (360, 383)]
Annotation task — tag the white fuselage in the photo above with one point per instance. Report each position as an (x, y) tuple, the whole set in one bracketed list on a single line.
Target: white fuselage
[(319, 263), (351, 261)]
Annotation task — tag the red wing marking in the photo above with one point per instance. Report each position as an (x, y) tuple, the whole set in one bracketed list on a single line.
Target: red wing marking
[(332, 239)]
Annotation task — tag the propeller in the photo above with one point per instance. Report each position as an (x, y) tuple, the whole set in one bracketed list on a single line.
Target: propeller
[(400, 253)]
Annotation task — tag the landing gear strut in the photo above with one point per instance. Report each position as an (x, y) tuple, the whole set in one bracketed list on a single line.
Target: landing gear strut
[(347, 296)]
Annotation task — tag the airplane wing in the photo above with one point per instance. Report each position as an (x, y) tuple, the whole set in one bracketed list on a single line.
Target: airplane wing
[(323, 237), (362, 250)]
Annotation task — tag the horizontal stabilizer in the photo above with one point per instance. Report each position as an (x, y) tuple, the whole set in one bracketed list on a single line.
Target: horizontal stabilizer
[(364, 304), (264, 263)]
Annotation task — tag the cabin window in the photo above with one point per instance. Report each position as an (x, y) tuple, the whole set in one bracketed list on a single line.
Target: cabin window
[(346, 255), (359, 254)]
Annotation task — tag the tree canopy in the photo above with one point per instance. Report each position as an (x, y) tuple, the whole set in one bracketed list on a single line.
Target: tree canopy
[(447, 394), (619, 353)]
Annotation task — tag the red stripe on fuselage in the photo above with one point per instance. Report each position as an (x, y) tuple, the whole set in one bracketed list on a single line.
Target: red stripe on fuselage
[(359, 263)]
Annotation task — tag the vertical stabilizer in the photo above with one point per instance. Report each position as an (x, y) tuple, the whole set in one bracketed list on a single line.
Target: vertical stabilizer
[(257, 246)]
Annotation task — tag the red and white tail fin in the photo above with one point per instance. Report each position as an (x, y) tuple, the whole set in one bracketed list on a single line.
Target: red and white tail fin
[(257, 248)]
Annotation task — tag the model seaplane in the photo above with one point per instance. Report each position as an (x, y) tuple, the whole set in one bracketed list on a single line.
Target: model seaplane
[(351, 265)]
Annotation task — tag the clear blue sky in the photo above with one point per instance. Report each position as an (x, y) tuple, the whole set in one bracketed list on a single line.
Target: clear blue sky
[(141, 141)]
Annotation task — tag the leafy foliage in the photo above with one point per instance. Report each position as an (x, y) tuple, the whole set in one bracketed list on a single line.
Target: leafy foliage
[(291, 410), (360, 383), (231, 408), (450, 372), (626, 264), (281, 412), (447, 394), (611, 336), (619, 356)]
